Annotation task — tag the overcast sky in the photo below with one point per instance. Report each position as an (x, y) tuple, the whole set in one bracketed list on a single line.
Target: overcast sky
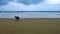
[(29, 5)]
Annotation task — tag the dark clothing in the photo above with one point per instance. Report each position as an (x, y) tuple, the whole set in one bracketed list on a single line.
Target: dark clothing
[(17, 18)]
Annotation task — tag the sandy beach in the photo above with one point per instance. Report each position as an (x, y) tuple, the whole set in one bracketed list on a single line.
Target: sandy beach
[(30, 26)]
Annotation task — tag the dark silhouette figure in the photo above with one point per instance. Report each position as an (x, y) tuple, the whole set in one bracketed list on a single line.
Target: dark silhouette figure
[(17, 18)]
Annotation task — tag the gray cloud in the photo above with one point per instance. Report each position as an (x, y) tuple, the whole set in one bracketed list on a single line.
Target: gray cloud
[(37, 1), (28, 2), (4, 2)]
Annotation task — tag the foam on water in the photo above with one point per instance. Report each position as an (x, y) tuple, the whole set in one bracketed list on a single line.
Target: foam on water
[(30, 14)]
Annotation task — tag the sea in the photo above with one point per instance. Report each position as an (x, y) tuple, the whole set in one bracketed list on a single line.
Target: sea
[(30, 14)]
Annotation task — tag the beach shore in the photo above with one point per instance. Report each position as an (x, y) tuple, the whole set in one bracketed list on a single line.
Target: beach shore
[(30, 26)]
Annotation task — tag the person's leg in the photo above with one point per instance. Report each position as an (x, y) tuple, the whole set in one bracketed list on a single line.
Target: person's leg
[(17, 20)]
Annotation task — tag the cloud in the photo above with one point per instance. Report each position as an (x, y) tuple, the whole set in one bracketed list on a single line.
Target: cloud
[(4, 2), (14, 6), (28, 2), (53, 1)]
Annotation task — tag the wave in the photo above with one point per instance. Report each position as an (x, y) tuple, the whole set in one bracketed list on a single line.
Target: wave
[(30, 14), (29, 11)]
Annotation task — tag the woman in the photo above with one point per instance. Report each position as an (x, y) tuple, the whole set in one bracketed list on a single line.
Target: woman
[(17, 18)]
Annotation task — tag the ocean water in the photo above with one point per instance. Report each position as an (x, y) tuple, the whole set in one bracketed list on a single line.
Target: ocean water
[(30, 14)]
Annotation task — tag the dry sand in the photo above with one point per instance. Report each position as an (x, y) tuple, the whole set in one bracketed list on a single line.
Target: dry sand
[(30, 26)]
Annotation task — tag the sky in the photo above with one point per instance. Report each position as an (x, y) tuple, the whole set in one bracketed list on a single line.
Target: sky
[(29, 5)]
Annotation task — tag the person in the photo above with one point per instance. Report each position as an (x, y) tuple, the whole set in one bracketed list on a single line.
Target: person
[(17, 18)]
